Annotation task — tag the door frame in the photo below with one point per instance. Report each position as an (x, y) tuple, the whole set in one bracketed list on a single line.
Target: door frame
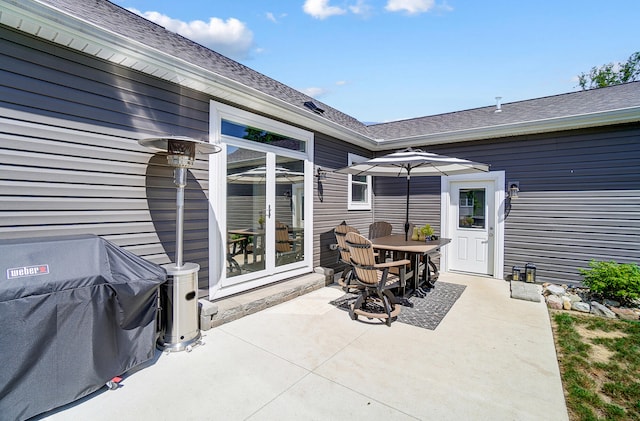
[(497, 220), (218, 198)]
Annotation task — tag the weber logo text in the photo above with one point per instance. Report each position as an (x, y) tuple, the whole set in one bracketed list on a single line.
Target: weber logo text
[(27, 271)]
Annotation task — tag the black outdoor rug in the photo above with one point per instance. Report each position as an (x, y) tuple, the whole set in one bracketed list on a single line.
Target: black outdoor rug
[(426, 312)]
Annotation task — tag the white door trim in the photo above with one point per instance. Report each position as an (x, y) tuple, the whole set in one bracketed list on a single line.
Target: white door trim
[(498, 179)]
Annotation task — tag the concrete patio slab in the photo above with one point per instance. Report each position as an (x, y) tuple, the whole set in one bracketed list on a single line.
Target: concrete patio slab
[(491, 357)]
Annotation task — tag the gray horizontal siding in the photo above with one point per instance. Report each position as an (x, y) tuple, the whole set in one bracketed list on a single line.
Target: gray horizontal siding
[(579, 197), (69, 160), (330, 154)]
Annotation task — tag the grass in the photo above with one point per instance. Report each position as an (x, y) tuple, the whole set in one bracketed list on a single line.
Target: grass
[(600, 366)]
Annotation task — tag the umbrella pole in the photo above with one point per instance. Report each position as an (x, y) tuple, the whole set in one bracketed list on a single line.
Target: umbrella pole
[(406, 218)]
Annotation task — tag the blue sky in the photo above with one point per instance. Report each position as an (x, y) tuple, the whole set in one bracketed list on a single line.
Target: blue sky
[(384, 60)]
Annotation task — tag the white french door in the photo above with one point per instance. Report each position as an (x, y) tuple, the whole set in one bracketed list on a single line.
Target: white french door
[(262, 209)]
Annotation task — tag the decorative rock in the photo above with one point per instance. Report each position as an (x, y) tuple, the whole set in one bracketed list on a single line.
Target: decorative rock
[(581, 306), (556, 290), (600, 310), (611, 303), (625, 313), (566, 302), (574, 298), (555, 302)]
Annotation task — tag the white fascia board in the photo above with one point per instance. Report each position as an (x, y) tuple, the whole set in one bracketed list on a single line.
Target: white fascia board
[(619, 116), (52, 24)]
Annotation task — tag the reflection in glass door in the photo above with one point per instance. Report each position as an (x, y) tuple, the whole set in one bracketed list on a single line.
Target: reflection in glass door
[(246, 211), (289, 219)]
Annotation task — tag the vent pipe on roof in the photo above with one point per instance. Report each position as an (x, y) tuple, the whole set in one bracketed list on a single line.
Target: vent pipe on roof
[(498, 105)]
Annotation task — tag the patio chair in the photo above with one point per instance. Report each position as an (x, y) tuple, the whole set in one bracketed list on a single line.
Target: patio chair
[(235, 246), (287, 251), (380, 229), (376, 299), (346, 281)]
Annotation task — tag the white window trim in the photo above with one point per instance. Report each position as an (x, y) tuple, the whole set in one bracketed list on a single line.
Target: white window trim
[(218, 195), (353, 158)]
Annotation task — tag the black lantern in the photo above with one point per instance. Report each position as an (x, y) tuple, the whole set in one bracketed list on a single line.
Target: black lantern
[(516, 273), (530, 272)]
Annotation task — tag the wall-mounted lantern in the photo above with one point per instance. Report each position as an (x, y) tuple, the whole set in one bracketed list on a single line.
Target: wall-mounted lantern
[(530, 272), (514, 188), (321, 174)]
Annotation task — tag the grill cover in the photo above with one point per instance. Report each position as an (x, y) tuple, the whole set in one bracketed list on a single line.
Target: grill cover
[(75, 312)]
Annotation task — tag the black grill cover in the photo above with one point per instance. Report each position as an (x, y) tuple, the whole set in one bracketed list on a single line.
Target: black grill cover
[(74, 313)]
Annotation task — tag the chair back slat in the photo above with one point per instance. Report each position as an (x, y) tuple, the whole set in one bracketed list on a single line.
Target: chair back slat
[(283, 245), (380, 229), (340, 232), (362, 258)]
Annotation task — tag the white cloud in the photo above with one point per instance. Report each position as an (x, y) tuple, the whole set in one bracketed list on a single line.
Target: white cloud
[(361, 8), (271, 17), (314, 92), (410, 6), (320, 9), (231, 38), (341, 82)]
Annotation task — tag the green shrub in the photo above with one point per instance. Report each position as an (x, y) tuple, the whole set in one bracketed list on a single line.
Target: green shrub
[(618, 281)]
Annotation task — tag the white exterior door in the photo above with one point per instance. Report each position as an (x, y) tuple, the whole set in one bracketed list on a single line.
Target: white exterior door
[(471, 218), (472, 251)]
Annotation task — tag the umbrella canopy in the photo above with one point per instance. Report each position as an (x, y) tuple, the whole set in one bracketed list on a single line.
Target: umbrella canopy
[(259, 174), (415, 162)]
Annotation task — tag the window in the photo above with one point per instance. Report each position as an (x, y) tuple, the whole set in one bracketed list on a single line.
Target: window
[(359, 189), (471, 208)]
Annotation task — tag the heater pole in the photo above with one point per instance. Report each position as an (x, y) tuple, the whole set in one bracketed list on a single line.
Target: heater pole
[(180, 178)]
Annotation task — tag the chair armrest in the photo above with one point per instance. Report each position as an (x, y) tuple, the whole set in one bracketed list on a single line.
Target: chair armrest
[(394, 263)]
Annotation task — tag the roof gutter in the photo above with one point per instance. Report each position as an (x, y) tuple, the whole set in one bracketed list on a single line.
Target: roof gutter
[(581, 121), (55, 25)]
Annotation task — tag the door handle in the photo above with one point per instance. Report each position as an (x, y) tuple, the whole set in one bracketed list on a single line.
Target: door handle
[(269, 211)]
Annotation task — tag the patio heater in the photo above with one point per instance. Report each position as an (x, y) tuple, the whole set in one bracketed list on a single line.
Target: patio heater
[(179, 329)]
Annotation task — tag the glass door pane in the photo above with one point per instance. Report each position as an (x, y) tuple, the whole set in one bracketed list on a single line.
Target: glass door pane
[(471, 208), (289, 210), (246, 210)]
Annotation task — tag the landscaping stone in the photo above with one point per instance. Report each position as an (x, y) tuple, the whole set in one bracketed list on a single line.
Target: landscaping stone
[(602, 310), (555, 289), (581, 306), (625, 313), (578, 298), (611, 303), (554, 302), (524, 291), (574, 298)]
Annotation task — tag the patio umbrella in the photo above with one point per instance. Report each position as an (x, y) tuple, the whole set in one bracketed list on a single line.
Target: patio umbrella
[(414, 162), (258, 175)]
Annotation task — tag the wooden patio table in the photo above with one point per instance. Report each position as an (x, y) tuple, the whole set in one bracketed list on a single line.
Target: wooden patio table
[(258, 240), (416, 249)]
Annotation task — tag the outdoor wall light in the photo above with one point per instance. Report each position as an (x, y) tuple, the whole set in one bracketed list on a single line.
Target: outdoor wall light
[(321, 174), (514, 188), (530, 272)]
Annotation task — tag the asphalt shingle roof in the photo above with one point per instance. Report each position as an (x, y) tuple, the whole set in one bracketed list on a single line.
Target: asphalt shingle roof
[(120, 21)]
